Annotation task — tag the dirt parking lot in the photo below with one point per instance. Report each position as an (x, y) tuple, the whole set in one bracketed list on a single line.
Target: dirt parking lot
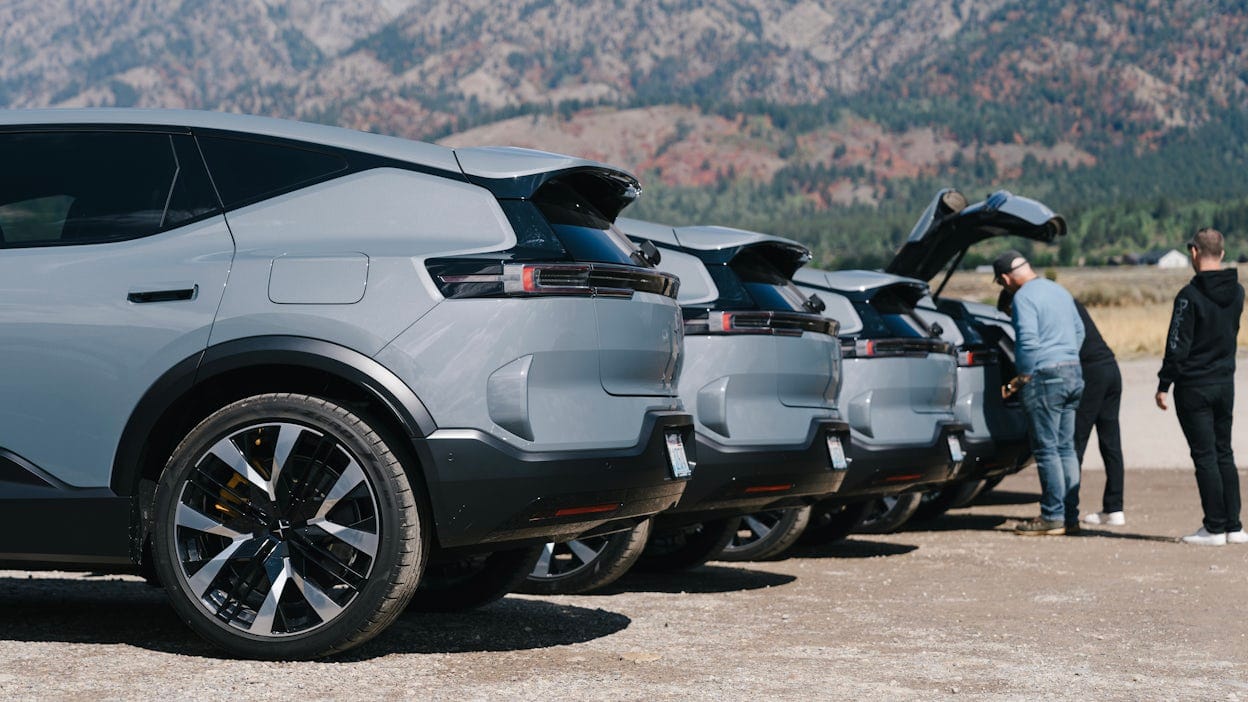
[(959, 608)]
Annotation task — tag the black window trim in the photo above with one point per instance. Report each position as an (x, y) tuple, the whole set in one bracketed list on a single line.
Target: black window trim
[(134, 129)]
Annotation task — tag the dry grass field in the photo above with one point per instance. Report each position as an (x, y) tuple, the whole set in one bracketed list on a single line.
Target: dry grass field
[(1131, 304)]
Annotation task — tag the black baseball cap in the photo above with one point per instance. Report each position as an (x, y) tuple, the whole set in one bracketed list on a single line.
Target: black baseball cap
[(1006, 263)]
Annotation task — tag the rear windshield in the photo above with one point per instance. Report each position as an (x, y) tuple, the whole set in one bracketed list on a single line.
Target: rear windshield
[(749, 282), (561, 219), (889, 314)]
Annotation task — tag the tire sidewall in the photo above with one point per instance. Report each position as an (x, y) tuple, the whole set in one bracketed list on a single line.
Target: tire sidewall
[(319, 416)]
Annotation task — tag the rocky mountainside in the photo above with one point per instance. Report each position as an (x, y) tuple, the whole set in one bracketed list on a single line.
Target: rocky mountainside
[(831, 102)]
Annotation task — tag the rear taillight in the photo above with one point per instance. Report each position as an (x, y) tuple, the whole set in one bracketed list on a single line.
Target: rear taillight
[(885, 348), (977, 357), (466, 278), (760, 322)]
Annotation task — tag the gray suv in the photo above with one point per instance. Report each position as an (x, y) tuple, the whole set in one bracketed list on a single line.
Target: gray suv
[(897, 393), (280, 367), (762, 368), (997, 442)]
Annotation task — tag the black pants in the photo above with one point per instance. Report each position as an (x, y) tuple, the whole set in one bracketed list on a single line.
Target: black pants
[(1102, 395), (1205, 415)]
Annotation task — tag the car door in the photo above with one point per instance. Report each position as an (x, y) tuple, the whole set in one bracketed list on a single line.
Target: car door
[(113, 258)]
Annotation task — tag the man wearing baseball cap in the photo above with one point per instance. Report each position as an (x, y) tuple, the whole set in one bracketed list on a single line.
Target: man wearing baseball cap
[(1047, 335)]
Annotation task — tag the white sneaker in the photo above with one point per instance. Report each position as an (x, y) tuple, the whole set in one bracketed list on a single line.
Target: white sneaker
[(1237, 537), (1105, 518), (1204, 538)]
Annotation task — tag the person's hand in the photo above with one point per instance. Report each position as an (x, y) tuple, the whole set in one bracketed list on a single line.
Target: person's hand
[(1161, 400)]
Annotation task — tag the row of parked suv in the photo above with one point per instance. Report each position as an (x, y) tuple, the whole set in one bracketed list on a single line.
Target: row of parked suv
[(306, 378)]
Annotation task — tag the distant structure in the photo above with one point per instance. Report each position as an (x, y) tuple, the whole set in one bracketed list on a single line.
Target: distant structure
[(1162, 258)]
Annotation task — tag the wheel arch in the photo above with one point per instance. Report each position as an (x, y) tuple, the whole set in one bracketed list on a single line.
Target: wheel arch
[(201, 384)]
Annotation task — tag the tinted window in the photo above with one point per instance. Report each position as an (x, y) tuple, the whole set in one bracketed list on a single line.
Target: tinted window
[(535, 240), (584, 232), (749, 282), (247, 171), (770, 289), (890, 314), (91, 187)]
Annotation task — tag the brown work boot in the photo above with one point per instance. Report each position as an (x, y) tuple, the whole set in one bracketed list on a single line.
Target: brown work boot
[(1040, 526)]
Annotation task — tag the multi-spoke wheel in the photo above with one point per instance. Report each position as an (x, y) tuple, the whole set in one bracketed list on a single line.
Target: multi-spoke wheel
[(888, 514), (937, 502), (584, 565), (286, 528), (764, 535), (455, 584), (832, 521), (690, 546)]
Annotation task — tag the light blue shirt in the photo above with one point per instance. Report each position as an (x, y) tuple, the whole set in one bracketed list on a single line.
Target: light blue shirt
[(1047, 328)]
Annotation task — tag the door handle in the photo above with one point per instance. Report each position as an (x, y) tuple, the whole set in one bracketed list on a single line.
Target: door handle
[(163, 295)]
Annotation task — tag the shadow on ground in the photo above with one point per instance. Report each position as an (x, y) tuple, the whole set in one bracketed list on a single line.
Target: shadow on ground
[(707, 579), (111, 611), (852, 548), (1007, 497)]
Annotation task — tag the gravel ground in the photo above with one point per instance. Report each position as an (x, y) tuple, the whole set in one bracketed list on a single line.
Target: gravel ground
[(954, 608)]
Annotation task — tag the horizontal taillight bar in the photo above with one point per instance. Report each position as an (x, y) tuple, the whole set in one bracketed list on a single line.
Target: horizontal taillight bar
[(474, 279), (884, 348), (977, 357), (761, 322)]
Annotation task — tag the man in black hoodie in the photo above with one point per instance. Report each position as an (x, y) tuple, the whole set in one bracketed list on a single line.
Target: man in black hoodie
[(1200, 362)]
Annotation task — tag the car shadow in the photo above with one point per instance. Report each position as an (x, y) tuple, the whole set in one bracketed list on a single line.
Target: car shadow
[(1006, 497), (510, 624), (112, 611), (852, 548), (707, 579)]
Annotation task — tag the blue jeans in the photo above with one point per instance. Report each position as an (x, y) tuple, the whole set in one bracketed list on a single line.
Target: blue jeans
[(1051, 400)]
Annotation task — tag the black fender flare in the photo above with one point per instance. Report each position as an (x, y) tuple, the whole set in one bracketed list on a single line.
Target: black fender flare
[(315, 354)]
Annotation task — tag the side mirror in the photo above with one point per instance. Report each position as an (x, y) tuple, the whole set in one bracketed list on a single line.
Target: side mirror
[(815, 304)]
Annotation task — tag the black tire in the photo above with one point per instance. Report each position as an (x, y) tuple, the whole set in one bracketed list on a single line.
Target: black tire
[(990, 484), (295, 495), (886, 515), (936, 502), (686, 547), (766, 534), (568, 568), (832, 521), (473, 581)]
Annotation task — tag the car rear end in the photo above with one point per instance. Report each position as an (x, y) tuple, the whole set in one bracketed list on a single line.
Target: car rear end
[(761, 373), (997, 441), (550, 367), (899, 380)]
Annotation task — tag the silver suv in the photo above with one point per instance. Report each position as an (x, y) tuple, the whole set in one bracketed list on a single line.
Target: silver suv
[(762, 368), (280, 367), (897, 393), (996, 429)]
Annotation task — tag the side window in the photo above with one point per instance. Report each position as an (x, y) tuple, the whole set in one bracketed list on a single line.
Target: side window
[(246, 171), (63, 188)]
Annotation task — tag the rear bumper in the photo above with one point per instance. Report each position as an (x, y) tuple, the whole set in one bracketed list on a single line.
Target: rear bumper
[(987, 458), (887, 470), (486, 492), (733, 480)]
